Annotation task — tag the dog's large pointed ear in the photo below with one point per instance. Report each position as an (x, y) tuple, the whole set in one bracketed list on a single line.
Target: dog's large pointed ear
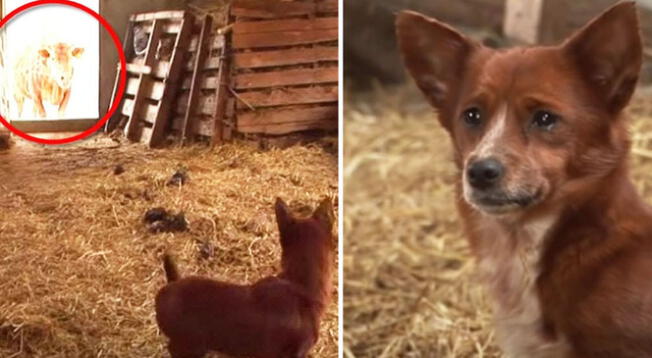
[(324, 214), (283, 215), (434, 54), (608, 51)]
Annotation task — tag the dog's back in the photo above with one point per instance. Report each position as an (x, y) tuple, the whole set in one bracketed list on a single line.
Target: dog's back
[(261, 320)]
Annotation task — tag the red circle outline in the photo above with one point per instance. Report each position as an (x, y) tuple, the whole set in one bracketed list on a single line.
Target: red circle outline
[(121, 85)]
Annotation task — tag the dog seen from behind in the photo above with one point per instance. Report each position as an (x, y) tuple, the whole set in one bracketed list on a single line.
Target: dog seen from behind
[(561, 237), (276, 317)]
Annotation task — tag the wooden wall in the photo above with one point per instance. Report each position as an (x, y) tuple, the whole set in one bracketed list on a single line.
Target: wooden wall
[(285, 66), (369, 43)]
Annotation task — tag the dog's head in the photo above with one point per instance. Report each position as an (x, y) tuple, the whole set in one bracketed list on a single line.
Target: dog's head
[(528, 124)]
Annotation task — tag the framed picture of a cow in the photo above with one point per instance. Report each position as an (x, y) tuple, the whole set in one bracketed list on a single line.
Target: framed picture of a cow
[(51, 65)]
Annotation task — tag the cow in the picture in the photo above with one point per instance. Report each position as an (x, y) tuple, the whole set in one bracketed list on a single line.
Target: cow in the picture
[(45, 75)]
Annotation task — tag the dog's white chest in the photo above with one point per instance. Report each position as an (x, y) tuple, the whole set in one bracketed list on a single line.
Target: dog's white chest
[(511, 275)]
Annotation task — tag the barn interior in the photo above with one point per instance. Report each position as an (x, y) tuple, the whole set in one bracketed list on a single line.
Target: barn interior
[(411, 286), (248, 117)]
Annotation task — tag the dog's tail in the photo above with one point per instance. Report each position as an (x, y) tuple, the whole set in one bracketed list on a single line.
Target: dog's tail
[(171, 271)]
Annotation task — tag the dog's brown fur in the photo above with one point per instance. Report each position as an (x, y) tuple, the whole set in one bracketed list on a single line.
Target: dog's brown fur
[(276, 317), (567, 251)]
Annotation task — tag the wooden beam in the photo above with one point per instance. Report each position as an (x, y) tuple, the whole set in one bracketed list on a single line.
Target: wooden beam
[(157, 133), (194, 85), (221, 93)]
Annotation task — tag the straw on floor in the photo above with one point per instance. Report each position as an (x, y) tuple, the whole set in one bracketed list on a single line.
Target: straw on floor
[(78, 267), (410, 287)]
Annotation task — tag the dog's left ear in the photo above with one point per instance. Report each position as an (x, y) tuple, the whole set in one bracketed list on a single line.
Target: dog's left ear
[(283, 215), (608, 51)]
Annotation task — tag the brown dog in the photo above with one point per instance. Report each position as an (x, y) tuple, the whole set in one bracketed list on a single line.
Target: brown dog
[(558, 230), (276, 317)]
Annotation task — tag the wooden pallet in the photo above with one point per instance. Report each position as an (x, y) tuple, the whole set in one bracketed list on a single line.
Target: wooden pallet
[(199, 110), (285, 66), (153, 79)]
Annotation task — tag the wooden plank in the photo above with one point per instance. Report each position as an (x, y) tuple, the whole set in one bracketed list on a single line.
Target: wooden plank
[(287, 96), (146, 131), (286, 78), (127, 107), (204, 83), (212, 63), (290, 127), (285, 38), (198, 126), (153, 89), (228, 123), (149, 16), (265, 9), (215, 42), (139, 69), (160, 69), (286, 115), (146, 112), (320, 23), (532, 22), (176, 66), (205, 105), (285, 57), (194, 82), (133, 125)]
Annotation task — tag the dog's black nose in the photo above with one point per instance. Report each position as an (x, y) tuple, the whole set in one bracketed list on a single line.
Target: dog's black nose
[(485, 173)]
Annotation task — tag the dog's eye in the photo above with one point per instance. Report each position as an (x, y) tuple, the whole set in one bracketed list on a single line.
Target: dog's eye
[(544, 120), (472, 117)]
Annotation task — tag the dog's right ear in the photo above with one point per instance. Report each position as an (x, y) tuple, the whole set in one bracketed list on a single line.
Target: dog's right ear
[(324, 214), (609, 52), (434, 54)]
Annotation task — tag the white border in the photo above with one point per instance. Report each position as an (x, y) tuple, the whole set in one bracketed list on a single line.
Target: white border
[(340, 171)]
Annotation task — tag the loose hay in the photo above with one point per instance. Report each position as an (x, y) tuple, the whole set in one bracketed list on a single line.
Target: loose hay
[(410, 287), (78, 267)]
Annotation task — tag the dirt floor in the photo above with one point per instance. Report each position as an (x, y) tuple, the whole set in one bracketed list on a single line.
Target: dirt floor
[(410, 287), (78, 267)]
